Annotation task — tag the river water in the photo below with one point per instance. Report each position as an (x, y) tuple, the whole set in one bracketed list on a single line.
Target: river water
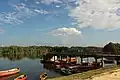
[(32, 68)]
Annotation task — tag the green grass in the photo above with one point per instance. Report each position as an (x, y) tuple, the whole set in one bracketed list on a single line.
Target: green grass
[(88, 74)]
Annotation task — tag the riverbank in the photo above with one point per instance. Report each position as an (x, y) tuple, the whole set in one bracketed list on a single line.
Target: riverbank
[(112, 72)]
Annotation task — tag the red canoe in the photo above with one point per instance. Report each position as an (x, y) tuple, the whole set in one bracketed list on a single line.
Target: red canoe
[(21, 77), (7, 77), (9, 72)]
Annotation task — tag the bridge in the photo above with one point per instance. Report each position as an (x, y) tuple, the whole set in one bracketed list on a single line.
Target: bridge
[(92, 54), (96, 55)]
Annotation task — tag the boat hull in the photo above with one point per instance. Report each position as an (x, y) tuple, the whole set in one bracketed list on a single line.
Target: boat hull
[(21, 77), (43, 76), (9, 72)]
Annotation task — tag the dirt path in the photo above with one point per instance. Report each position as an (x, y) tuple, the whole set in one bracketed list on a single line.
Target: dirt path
[(112, 75)]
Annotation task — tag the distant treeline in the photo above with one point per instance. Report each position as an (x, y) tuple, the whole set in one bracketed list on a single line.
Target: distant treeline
[(113, 48), (18, 52)]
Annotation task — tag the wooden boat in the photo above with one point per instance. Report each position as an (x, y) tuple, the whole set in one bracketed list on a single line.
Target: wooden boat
[(73, 60), (64, 65), (8, 77), (21, 77), (66, 71), (76, 68), (9, 72), (47, 61), (43, 76), (108, 61)]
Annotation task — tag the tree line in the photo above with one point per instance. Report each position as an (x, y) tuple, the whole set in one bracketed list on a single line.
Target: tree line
[(19, 52), (112, 48)]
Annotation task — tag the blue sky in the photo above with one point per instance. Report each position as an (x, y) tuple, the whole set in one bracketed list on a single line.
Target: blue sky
[(59, 22)]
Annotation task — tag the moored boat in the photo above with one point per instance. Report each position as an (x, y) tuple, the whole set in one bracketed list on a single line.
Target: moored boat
[(66, 71), (8, 77), (43, 76), (76, 68), (21, 77), (9, 72)]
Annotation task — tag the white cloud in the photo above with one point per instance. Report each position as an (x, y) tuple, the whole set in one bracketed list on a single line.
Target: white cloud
[(65, 32), (68, 36), (23, 10), (26, 0), (50, 1), (41, 11), (64, 3), (9, 18), (19, 14), (37, 2), (100, 14), (57, 6), (1, 30)]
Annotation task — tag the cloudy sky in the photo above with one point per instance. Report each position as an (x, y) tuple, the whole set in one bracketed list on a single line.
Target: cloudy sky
[(59, 22)]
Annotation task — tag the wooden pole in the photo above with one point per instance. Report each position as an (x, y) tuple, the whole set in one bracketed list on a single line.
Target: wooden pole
[(54, 58), (70, 58), (87, 59), (81, 60), (117, 61), (95, 62), (102, 62), (61, 58)]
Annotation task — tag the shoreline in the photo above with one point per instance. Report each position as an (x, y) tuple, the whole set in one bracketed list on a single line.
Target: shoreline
[(112, 75), (98, 74)]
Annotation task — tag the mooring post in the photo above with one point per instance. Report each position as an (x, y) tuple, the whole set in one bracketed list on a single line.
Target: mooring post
[(78, 60), (87, 59), (102, 61), (54, 58), (117, 60), (95, 59), (70, 58), (44, 57), (60, 57), (95, 62), (81, 60)]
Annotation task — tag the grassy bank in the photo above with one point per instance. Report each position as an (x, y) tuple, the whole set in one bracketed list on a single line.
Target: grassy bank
[(88, 74)]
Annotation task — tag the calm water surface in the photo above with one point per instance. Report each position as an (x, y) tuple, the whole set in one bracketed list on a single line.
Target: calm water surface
[(32, 68)]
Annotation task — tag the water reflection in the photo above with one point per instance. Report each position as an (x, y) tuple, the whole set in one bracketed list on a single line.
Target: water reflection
[(48, 66), (32, 68)]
